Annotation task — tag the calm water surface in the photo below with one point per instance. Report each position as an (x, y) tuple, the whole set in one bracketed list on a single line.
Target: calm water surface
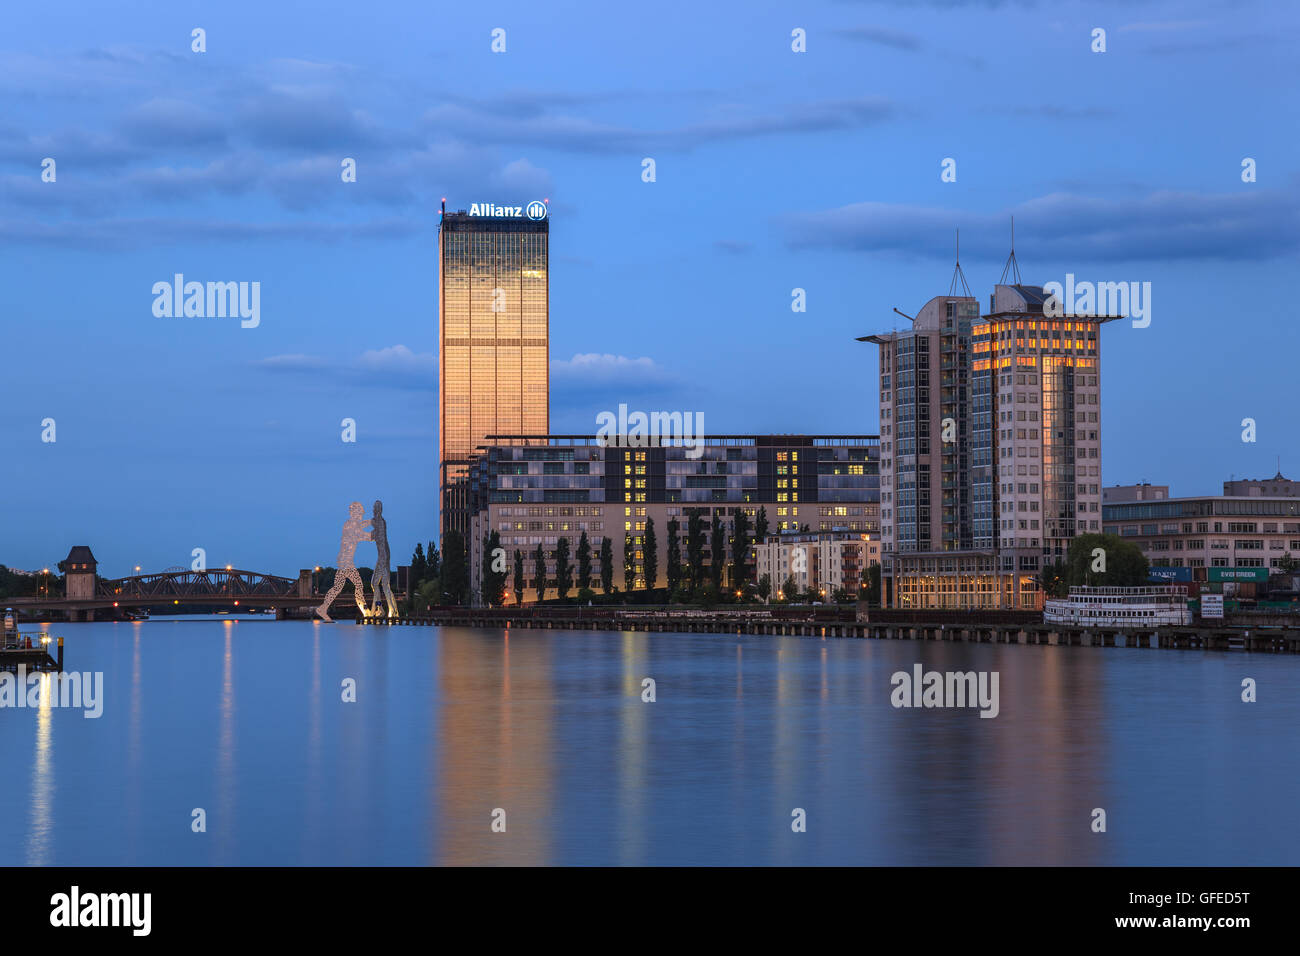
[(245, 720)]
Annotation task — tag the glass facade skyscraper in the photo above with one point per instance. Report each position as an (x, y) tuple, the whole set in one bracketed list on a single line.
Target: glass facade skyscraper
[(494, 324)]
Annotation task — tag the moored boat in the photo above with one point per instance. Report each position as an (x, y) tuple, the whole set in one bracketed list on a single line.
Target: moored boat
[(1155, 605)]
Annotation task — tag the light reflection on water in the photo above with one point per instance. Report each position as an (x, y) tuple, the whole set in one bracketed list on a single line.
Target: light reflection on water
[(246, 719)]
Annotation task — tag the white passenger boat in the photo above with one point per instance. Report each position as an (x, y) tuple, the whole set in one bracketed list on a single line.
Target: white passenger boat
[(1157, 605)]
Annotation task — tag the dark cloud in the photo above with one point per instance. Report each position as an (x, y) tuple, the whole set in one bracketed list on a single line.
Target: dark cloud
[(579, 134), (117, 233), (881, 36), (1252, 224), (308, 122), (735, 247), (174, 124)]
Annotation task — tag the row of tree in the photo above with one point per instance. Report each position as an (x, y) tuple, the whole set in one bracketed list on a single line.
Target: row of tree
[(728, 559), (582, 573)]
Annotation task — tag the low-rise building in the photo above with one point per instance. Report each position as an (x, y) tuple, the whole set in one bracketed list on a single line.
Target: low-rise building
[(1209, 531), (826, 561), (1275, 487), (1142, 491)]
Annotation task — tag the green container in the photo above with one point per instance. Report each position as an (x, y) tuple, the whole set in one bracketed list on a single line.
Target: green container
[(1239, 575)]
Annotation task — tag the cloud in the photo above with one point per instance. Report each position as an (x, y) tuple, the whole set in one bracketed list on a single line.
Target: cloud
[(1164, 26), (295, 361), (1057, 112), (882, 36), (393, 367), (1250, 225), (397, 360), (733, 246), (175, 124), (279, 128), (116, 234), (577, 134), (301, 121), (591, 368)]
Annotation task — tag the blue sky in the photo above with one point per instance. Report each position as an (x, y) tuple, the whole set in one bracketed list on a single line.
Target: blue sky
[(775, 170)]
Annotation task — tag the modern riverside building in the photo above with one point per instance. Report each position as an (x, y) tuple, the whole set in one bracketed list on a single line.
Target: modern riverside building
[(1212, 531), (533, 490), (824, 561), (988, 470), (493, 308)]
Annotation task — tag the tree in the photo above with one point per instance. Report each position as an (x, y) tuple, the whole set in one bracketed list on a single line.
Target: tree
[(429, 594), (563, 569), (539, 571), (695, 548), (650, 547), (674, 569), (1051, 579), (455, 567), (789, 590), (584, 562), (606, 565), (519, 576), (419, 568), (765, 587), (740, 549), (433, 567), (871, 587), (492, 586), (760, 525), (629, 563), (717, 552), (1105, 560), (1287, 564)]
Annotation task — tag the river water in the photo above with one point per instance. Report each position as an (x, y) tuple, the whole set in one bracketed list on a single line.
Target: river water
[(546, 733)]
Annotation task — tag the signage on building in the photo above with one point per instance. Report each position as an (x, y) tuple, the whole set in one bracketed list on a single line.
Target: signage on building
[(1258, 575), (1212, 605), (534, 210), (1170, 575)]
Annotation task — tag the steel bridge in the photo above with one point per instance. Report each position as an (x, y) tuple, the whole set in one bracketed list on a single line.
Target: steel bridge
[(224, 587)]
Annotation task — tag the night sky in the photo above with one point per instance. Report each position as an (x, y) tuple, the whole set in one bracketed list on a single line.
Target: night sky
[(775, 170)]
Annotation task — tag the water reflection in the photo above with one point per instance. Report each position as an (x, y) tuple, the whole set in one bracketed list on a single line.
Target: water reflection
[(496, 749), (40, 826), (550, 727)]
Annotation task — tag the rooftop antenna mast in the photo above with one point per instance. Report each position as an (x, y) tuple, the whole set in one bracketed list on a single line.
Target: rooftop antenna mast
[(958, 275), (1012, 268)]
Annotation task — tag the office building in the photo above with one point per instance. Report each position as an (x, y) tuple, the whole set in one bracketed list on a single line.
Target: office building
[(988, 482), (493, 351)]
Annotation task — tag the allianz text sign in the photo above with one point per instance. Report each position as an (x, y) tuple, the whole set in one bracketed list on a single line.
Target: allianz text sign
[(535, 210)]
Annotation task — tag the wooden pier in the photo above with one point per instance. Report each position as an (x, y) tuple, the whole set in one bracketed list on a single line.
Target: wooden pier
[(34, 655), (1267, 639)]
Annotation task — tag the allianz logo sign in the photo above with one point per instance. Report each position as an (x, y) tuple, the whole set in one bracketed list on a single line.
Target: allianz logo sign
[(534, 210)]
